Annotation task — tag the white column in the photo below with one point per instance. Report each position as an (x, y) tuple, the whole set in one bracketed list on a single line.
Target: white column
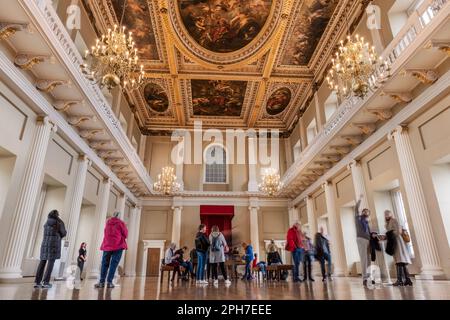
[(252, 162), (293, 215), (75, 204), (431, 265), (101, 213), (303, 137), (14, 251), (121, 203), (254, 226), (176, 224), (319, 117), (312, 223), (358, 183), (179, 161), (336, 240), (288, 151), (133, 242)]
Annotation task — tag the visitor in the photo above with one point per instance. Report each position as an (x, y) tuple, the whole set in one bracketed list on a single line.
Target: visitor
[(294, 244), (248, 258), (363, 238), (308, 259), (259, 264), (217, 254), (201, 247), (193, 257), (273, 254), (184, 263), (54, 231), (171, 260), (397, 248), (114, 242), (82, 258), (323, 253)]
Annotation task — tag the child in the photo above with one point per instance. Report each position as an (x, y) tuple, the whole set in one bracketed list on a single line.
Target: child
[(248, 258), (261, 265)]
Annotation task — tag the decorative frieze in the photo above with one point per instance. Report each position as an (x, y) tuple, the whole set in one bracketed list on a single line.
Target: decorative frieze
[(27, 61)]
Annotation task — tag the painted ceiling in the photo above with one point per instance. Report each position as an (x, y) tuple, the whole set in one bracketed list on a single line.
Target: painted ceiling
[(229, 63)]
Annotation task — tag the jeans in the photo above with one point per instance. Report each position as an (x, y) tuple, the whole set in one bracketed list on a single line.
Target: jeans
[(325, 257), (248, 271), (187, 265), (363, 248), (110, 262), (297, 257), (201, 260), (48, 272)]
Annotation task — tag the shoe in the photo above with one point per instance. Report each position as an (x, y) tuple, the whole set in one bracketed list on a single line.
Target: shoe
[(297, 280), (227, 282), (216, 282), (311, 279), (205, 282), (110, 286), (37, 286), (99, 285), (365, 283), (46, 286), (324, 279), (398, 284), (408, 282), (329, 278)]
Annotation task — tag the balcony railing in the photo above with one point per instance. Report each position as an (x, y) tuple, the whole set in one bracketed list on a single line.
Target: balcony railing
[(395, 53), (48, 19)]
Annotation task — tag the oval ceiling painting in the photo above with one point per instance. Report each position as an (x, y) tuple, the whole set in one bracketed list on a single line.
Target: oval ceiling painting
[(278, 101), (224, 25), (156, 98)]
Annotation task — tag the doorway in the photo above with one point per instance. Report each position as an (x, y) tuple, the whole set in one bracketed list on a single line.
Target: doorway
[(153, 263)]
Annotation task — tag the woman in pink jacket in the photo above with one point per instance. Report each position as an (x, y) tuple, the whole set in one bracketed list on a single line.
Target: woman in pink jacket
[(114, 242)]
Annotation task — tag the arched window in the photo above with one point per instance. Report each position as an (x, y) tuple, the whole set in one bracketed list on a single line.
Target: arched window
[(215, 164)]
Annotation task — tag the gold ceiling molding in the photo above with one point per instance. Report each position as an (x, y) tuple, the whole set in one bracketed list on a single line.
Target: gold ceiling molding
[(178, 36)]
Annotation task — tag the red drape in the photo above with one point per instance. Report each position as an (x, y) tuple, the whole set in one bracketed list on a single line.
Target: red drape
[(220, 216)]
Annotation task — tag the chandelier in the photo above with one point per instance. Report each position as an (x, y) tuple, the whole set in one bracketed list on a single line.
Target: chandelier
[(114, 60), (271, 182), (356, 69), (167, 182)]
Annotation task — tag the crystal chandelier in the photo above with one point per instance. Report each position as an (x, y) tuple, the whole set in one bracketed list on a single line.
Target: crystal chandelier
[(271, 182), (167, 182), (114, 60), (356, 69)]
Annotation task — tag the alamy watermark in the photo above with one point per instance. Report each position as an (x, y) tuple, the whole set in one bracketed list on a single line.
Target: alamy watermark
[(236, 146)]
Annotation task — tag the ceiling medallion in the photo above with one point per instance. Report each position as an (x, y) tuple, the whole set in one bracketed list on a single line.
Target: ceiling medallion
[(224, 32), (113, 60)]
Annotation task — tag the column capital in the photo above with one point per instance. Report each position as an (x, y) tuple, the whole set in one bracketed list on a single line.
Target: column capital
[(177, 207), (326, 184), (45, 120), (354, 163), (253, 203), (396, 131)]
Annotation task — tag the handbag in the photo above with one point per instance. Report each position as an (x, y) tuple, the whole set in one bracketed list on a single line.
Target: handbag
[(405, 236)]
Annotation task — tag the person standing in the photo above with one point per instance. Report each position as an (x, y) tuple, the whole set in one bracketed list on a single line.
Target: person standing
[(308, 259), (294, 244), (54, 231), (114, 242), (217, 254), (248, 258), (363, 238), (82, 258), (201, 245), (323, 253), (400, 251)]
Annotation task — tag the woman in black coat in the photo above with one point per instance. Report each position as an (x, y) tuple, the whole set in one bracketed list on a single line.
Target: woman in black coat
[(54, 231)]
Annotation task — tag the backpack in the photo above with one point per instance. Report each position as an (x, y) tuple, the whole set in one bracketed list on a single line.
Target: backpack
[(216, 244)]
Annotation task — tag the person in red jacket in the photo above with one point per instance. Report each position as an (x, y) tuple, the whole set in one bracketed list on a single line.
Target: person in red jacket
[(114, 242), (294, 244)]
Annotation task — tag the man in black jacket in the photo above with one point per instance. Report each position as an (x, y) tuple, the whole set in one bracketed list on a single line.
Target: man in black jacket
[(323, 253), (201, 246)]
